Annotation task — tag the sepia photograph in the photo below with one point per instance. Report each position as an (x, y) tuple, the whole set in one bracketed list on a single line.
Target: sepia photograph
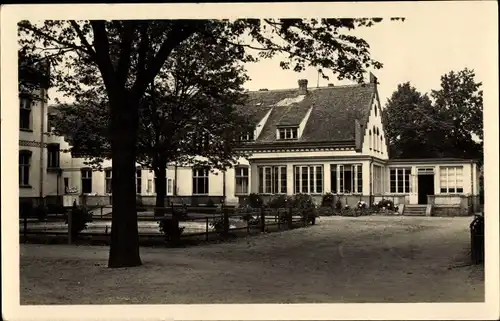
[(200, 161)]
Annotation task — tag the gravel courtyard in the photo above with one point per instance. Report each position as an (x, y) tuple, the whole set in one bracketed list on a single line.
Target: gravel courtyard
[(340, 260)]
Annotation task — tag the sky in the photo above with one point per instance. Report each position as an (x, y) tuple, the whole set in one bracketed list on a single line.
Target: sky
[(417, 50), (427, 45)]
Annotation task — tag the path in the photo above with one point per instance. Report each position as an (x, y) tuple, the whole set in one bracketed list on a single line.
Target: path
[(364, 259)]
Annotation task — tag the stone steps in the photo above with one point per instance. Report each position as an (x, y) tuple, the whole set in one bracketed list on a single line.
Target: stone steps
[(414, 210)]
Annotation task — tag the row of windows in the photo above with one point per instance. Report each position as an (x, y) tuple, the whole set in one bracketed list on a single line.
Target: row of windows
[(108, 176), (53, 153), (344, 179)]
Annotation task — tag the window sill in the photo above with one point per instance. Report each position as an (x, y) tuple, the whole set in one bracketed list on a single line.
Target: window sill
[(26, 130), (241, 194), (54, 169), (25, 186), (271, 194)]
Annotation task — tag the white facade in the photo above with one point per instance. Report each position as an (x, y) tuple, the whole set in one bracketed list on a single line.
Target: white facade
[(38, 170), (366, 171)]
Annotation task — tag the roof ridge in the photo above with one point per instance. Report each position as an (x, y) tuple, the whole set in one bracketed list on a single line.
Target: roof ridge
[(311, 88)]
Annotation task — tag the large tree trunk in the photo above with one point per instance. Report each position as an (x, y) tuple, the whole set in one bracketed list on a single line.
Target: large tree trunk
[(124, 249), (160, 186)]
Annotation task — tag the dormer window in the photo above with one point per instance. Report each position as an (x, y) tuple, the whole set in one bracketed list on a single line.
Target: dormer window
[(288, 133), (247, 137)]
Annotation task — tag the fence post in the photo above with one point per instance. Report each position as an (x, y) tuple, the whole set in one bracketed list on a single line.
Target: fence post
[(262, 220), (290, 218), (206, 228), (101, 210)]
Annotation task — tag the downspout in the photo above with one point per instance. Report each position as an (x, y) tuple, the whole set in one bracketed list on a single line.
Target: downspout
[(175, 180), (42, 141), (224, 186), (472, 197), (370, 183)]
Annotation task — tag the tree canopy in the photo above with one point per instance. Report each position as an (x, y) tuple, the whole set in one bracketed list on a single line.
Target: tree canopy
[(449, 123), (121, 58)]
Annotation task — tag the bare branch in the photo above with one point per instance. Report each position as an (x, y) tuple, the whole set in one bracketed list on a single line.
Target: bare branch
[(175, 36), (84, 41), (102, 57), (44, 35)]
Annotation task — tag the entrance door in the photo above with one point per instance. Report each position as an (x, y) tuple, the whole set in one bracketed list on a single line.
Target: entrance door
[(425, 187)]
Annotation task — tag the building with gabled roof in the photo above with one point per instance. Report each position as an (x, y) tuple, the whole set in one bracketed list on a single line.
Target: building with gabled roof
[(305, 140)]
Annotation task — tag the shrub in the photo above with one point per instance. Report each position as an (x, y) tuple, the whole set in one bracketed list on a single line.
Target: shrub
[(218, 225), (386, 204), (328, 200), (255, 200), (80, 217), (170, 228), (55, 209), (210, 203), (305, 204), (180, 213), (280, 201), (361, 205), (250, 219), (25, 209), (338, 205), (40, 212)]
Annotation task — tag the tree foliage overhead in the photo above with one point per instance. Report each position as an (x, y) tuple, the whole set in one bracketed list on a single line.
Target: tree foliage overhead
[(120, 59), (193, 100), (447, 124)]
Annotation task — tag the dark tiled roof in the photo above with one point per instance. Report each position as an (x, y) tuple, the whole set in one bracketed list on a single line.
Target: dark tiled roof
[(333, 115)]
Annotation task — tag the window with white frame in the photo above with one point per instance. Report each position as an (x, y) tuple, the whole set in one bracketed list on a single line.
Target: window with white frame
[(138, 181), (200, 181), (400, 180), (247, 137), (377, 179), (288, 133), (149, 188), (346, 178), (25, 113), (272, 179), (86, 181), (308, 179), (170, 186), (24, 167), (451, 179), (108, 174), (241, 177)]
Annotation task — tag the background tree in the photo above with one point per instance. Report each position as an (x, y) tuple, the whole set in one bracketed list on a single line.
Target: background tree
[(460, 101), (450, 125), (412, 124), (127, 55), (190, 110)]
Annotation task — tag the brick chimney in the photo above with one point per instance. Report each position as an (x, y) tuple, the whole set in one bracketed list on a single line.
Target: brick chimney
[(302, 86)]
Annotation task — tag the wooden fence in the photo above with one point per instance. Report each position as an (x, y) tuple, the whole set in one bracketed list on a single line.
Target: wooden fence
[(199, 224)]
